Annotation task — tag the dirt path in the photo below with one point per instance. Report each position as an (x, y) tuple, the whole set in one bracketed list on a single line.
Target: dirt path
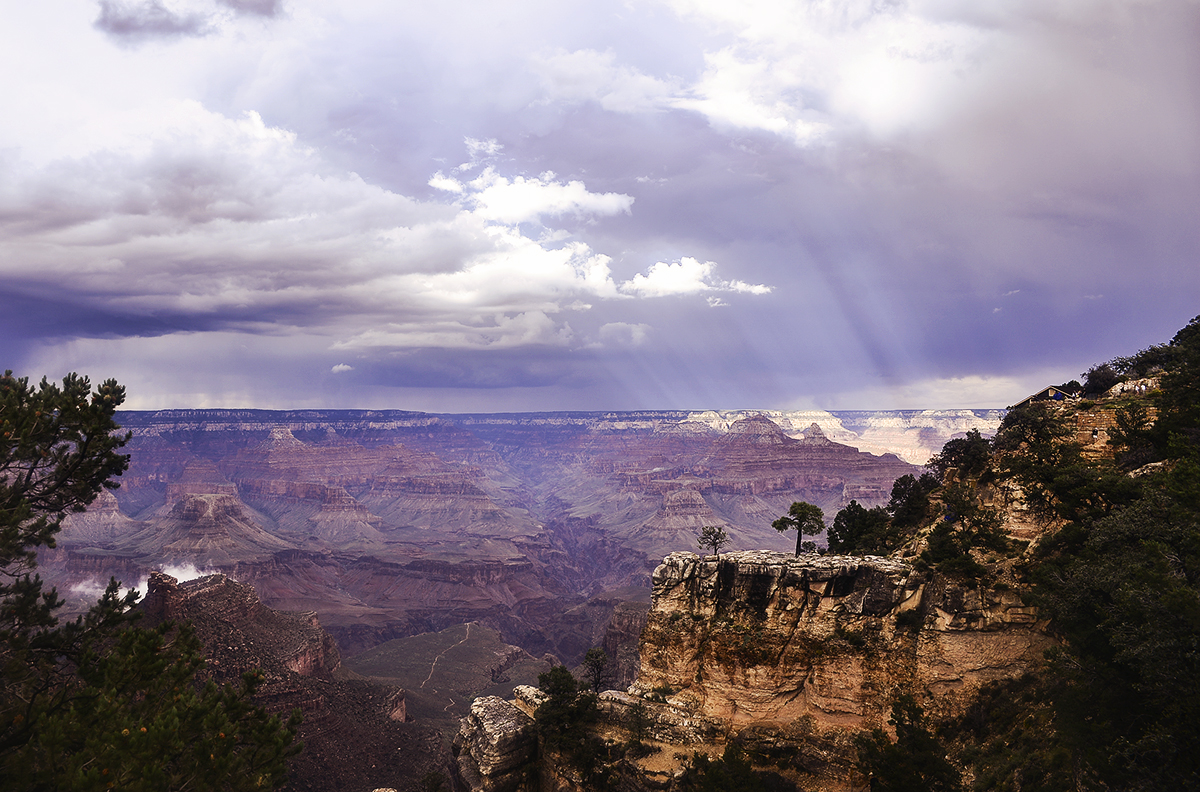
[(433, 665)]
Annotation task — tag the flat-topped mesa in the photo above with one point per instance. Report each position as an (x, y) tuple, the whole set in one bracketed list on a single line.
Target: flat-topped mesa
[(758, 636)]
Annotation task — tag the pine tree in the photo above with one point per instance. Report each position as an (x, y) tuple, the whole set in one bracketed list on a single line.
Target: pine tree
[(100, 703), (806, 520)]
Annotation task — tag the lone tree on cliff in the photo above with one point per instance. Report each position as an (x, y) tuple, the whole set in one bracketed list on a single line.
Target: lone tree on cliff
[(713, 537), (595, 668), (806, 519), (99, 703)]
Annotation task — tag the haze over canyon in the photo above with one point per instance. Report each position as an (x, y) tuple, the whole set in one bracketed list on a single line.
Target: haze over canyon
[(393, 523)]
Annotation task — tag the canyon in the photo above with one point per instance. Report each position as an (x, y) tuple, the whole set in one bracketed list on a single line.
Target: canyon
[(391, 524)]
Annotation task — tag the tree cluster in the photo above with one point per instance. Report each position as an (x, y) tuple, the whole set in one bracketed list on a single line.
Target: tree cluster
[(1117, 707), (915, 762), (99, 702), (564, 721)]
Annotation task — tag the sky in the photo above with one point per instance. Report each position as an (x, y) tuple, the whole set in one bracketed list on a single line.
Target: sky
[(470, 206)]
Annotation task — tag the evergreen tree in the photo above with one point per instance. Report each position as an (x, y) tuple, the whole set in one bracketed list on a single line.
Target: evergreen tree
[(968, 456), (860, 530), (563, 721), (733, 771), (915, 762), (909, 504), (99, 703), (595, 668), (1178, 423), (806, 520)]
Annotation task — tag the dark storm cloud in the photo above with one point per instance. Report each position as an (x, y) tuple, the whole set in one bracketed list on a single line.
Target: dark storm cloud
[(135, 22), (477, 369), (947, 200), (32, 317)]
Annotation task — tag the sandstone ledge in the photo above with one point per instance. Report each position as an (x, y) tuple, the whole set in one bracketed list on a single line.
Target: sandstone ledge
[(767, 637), (496, 746)]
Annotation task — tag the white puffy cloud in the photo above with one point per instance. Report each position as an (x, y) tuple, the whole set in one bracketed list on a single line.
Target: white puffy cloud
[(801, 70), (686, 276), (521, 199), (751, 93), (623, 334)]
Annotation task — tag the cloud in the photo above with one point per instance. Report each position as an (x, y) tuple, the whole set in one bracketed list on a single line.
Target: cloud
[(231, 225), (624, 334), (480, 151), (588, 75), (901, 168), (91, 589), (341, 368), (263, 8), (185, 571), (807, 70), (132, 22), (971, 391), (521, 199), (686, 276), (500, 331)]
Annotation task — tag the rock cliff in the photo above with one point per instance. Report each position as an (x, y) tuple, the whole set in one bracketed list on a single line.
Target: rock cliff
[(792, 656), (496, 747), (763, 636)]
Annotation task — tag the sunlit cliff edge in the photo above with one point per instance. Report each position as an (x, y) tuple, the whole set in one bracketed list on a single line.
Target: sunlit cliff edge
[(793, 653)]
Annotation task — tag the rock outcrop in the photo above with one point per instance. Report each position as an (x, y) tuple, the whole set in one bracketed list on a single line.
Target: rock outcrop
[(354, 731), (763, 636), (791, 657), (621, 638), (496, 747)]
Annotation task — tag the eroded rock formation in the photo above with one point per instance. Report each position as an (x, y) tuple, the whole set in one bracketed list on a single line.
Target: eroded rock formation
[(793, 656), (355, 732), (392, 523), (496, 747), (764, 636)]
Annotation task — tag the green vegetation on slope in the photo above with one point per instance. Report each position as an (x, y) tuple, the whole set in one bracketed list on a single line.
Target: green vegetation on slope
[(1117, 707)]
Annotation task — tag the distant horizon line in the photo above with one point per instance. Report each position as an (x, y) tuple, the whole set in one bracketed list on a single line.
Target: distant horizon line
[(659, 411)]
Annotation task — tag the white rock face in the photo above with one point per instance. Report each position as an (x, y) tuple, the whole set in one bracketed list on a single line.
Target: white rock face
[(912, 435)]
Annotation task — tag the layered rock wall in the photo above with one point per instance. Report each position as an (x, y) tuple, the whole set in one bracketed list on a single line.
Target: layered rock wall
[(762, 636), (790, 656)]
